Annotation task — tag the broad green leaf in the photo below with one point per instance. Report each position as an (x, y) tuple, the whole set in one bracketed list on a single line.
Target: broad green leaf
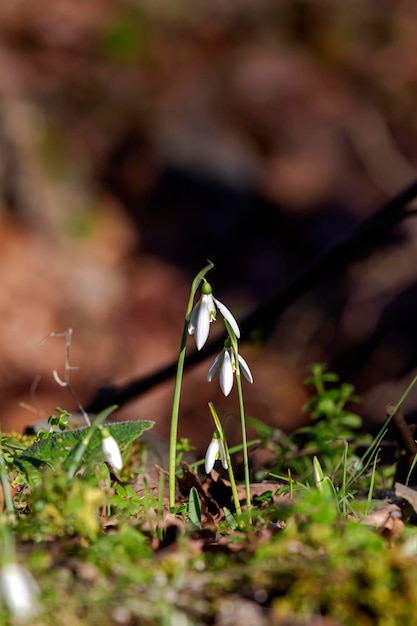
[(350, 420), (194, 507), (230, 519), (56, 448)]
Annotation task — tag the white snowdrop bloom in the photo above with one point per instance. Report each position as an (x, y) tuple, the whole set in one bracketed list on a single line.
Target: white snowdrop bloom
[(215, 451), (111, 450), (19, 592), (204, 313), (225, 362)]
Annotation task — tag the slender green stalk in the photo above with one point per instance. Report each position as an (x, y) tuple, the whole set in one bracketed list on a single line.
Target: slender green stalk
[(175, 414), (411, 470), (244, 440), (344, 476), (373, 449), (178, 382), (228, 459), (235, 349), (371, 486), (76, 458), (291, 484), (161, 494)]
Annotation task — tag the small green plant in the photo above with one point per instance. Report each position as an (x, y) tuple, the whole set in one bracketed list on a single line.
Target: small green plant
[(58, 506), (333, 422), (324, 484), (62, 421), (126, 503), (333, 436)]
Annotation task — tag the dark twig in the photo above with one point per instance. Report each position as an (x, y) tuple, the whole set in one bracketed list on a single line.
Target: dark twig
[(407, 447), (364, 237)]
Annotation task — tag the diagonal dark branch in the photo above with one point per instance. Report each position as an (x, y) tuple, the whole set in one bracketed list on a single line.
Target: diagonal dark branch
[(407, 447), (360, 240)]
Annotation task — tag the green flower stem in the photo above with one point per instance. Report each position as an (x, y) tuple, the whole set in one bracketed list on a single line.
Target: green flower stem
[(76, 457), (178, 382), (175, 413), (235, 348), (228, 459), (244, 441)]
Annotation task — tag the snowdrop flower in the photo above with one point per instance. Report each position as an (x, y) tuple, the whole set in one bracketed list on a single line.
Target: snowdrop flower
[(111, 450), (226, 362), (204, 313), (19, 592), (215, 451)]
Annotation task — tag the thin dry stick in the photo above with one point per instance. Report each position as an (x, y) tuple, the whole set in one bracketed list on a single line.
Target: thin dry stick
[(37, 409), (68, 367)]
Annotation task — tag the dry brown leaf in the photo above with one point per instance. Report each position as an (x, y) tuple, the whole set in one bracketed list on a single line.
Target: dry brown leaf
[(407, 493), (387, 520)]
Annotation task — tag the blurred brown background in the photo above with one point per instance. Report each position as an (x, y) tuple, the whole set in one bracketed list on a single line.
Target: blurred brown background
[(138, 139)]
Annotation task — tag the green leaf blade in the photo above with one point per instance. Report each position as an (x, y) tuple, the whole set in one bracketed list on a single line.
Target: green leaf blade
[(57, 447)]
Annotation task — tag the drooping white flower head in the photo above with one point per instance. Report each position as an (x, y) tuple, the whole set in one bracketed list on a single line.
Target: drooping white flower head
[(215, 451), (111, 450), (226, 363), (19, 592), (204, 313)]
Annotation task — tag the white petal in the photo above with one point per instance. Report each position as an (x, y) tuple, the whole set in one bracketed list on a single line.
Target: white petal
[(228, 316), (223, 454), (214, 366), (201, 323), (111, 452), (19, 591), (209, 301), (194, 317), (211, 455), (245, 369), (226, 373)]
